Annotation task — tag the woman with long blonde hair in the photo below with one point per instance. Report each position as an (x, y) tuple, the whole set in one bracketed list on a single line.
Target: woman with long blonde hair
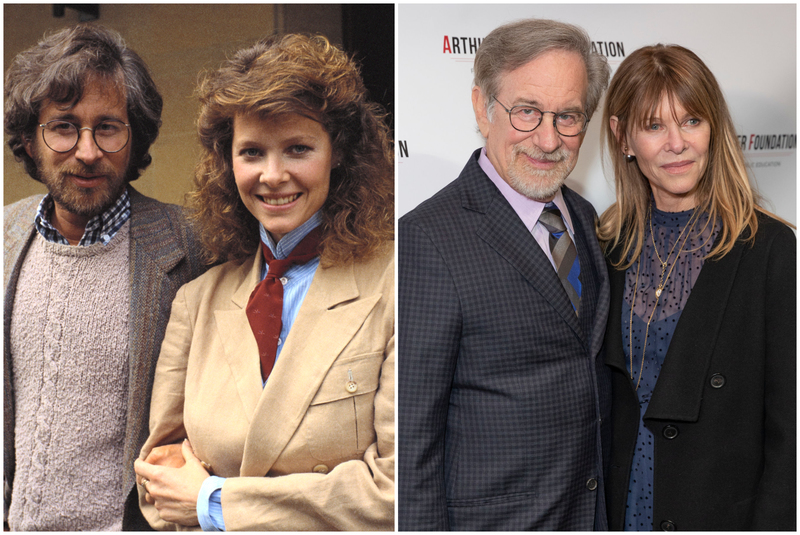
[(701, 334)]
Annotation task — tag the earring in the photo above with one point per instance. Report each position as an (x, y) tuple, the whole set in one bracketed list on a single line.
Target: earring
[(628, 157)]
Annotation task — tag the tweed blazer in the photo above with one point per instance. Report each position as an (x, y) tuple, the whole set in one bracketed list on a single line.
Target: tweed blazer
[(304, 452), (723, 412), (501, 391), (164, 255)]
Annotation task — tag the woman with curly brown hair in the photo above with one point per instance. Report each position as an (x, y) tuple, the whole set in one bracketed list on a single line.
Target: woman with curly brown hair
[(273, 401)]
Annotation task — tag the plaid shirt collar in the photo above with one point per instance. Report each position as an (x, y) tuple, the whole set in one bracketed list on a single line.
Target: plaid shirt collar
[(100, 229)]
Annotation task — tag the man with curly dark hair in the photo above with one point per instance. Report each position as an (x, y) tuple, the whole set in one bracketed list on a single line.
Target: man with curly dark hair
[(90, 272)]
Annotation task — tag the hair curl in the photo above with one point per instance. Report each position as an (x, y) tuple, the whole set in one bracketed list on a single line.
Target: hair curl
[(57, 70), (512, 45), (305, 75), (724, 191)]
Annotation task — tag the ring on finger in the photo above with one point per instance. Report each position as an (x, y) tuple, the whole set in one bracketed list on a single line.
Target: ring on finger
[(144, 483)]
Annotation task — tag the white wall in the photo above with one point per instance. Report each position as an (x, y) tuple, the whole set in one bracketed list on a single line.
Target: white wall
[(750, 48)]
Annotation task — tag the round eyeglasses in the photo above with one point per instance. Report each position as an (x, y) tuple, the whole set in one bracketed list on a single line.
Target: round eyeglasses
[(110, 135), (527, 119)]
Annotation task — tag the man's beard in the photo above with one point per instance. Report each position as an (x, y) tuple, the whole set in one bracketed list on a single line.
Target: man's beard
[(538, 184), (86, 202)]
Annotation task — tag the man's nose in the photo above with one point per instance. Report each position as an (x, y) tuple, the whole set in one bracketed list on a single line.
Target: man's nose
[(87, 150), (546, 136)]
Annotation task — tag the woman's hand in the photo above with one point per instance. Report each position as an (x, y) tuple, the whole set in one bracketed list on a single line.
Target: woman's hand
[(172, 490), (169, 455)]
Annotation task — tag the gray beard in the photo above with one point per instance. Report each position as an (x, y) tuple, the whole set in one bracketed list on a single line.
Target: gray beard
[(537, 184)]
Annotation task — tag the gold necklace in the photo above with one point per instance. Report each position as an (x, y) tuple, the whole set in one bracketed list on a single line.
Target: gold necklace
[(661, 283)]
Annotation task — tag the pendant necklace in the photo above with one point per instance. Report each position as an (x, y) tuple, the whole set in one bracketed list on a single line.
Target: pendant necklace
[(662, 282)]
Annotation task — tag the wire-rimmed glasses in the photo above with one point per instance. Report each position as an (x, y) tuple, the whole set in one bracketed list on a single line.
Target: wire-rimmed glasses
[(110, 135)]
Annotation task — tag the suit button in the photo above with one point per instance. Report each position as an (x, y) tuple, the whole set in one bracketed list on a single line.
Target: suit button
[(591, 484), (670, 432), (351, 386), (320, 469), (668, 525), (717, 380)]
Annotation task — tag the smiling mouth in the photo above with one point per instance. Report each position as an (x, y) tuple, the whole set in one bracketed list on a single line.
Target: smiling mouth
[(279, 201), (677, 166)]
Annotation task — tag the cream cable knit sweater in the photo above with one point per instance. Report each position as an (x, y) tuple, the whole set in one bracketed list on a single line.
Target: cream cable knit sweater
[(69, 341)]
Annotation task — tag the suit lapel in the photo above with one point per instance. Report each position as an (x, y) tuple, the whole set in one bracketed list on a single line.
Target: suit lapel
[(503, 230), (329, 317), (594, 275), (241, 350), (516, 245)]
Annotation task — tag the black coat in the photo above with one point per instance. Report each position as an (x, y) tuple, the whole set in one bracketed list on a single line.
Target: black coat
[(723, 410)]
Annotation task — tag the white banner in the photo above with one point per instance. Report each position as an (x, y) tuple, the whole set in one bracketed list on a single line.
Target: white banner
[(751, 49)]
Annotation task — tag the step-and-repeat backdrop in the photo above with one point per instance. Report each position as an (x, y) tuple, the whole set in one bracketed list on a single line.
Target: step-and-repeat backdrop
[(750, 48)]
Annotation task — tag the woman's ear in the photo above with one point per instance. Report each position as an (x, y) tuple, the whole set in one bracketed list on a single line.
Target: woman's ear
[(613, 122)]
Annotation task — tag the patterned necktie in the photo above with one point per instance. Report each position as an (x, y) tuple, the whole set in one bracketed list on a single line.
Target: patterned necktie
[(565, 256), (265, 306)]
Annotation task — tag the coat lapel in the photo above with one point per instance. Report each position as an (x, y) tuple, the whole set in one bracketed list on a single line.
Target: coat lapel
[(18, 233), (615, 354), (329, 318), (679, 389), (154, 252)]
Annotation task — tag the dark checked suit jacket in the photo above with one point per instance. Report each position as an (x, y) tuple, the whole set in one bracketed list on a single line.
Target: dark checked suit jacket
[(501, 389), (164, 255)]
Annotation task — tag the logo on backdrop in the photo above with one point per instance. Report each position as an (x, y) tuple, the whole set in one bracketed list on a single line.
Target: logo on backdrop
[(452, 44), (609, 49), (764, 150), (461, 45), (402, 148)]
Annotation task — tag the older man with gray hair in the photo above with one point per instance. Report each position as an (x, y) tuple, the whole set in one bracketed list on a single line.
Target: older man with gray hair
[(503, 297)]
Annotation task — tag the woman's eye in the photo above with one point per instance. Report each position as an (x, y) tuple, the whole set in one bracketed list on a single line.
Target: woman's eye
[(693, 122), (299, 149), (250, 152)]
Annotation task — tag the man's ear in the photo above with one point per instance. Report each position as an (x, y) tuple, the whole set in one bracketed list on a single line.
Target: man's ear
[(28, 144), (479, 107)]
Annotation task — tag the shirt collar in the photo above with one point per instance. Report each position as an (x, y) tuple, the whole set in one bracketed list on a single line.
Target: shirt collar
[(100, 229), (286, 244), (527, 209)]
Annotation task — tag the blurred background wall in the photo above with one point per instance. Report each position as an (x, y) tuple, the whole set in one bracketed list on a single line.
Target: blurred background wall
[(178, 42)]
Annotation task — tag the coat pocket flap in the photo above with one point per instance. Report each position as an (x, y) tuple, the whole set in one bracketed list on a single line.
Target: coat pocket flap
[(353, 377)]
